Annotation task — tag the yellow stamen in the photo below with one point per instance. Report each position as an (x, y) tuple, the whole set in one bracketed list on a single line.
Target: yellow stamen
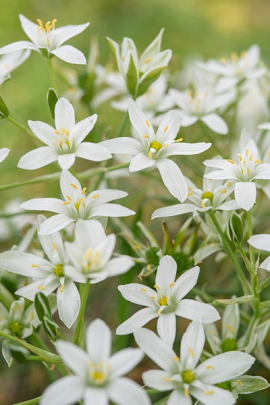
[(258, 161), (66, 203), (34, 265), (62, 288), (74, 186), (54, 246), (83, 190), (167, 379), (150, 155), (189, 194), (165, 129), (186, 392), (171, 285), (40, 287), (203, 205), (176, 358), (68, 197), (54, 21), (31, 316), (157, 287), (148, 267), (251, 156), (223, 191), (179, 140), (57, 132), (230, 328), (143, 290), (246, 152), (228, 184), (231, 161), (191, 351), (147, 60), (239, 382), (209, 392), (145, 136), (210, 368), (165, 145), (147, 123), (159, 312), (95, 196), (240, 157)]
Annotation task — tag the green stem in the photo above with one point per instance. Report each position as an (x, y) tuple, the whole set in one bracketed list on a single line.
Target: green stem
[(244, 283), (248, 265), (78, 334), (33, 401), (21, 126), (250, 233), (122, 125), (52, 76)]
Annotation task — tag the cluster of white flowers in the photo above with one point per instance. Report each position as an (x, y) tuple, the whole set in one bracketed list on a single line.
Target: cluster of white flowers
[(75, 248)]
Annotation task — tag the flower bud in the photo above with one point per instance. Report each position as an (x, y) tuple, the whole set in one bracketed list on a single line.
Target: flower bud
[(235, 228), (4, 112), (52, 99)]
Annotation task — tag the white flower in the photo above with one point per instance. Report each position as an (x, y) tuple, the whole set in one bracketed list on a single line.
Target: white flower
[(248, 170), (98, 374), (3, 154), (237, 69), (166, 302), (10, 62), (90, 254), (48, 274), (64, 142), (48, 40), (76, 205), (153, 149), (140, 72), (261, 242), (212, 197), (201, 105), (183, 376)]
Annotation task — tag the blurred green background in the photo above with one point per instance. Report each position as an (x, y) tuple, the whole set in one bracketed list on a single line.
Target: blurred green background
[(207, 28)]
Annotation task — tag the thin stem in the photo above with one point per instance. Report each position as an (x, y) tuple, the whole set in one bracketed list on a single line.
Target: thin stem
[(21, 126), (52, 76), (122, 125), (244, 283), (33, 401), (250, 233), (78, 334)]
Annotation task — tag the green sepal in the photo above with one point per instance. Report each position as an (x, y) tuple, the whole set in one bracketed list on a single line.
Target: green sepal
[(148, 78), (42, 306), (246, 384), (52, 98), (132, 75), (235, 228), (4, 111)]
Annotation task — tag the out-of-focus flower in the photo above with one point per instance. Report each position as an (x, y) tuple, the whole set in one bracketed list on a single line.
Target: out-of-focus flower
[(183, 376), (245, 173), (261, 242), (64, 142), (48, 40), (98, 374), (153, 149), (3, 154), (76, 205), (10, 62), (166, 302)]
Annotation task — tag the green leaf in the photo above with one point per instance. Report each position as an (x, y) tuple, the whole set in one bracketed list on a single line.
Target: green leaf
[(132, 75), (246, 384), (115, 51), (42, 306), (43, 354), (4, 111), (148, 78), (52, 99), (153, 48)]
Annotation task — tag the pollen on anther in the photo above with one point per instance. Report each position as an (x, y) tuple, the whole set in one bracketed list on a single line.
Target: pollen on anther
[(74, 186), (179, 140), (83, 190), (210, 368), (54, 246), (231, 161), (142, 290), (62, 288), (95, 196), (211, 392), (165, 129), (148, 267), (176, 358), (239, 382), (172, 284), (191, 351), (34, 265), (189, 194), (40, 287), (145, 136), (157, 287), (223, 191), (150, 155), (147, 123)]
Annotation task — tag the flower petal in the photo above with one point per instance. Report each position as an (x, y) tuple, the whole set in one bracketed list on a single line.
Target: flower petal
[(82, 128), (43, 204), (138, 294), (158, 379), (178, 397), (66, 161), (124, 391), (3, 153), (136, 321), (38, 158), (212, 395), (166, 272), (197, 311), (94, 396), (66, 391), (62, 34), (44, 132), (173, 210), (173, 178), (68, 303), (184, 148), (166, 328), (245, 194), (30, 28), (70, 54), (123, 145), (74, 357), (98, 341), (260, 242), (54, 224), (111, 210), (17, 46), (64, 114), (140, 162), (215, 123), (185, 283), (93, 152), (192, 345), (124, 361), (25, 264)]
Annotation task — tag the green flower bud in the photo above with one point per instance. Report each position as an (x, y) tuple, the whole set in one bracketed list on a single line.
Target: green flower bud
[(228, 345), (235, 228), (52, 99)]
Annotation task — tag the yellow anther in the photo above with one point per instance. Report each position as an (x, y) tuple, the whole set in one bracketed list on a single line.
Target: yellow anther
[(167, 379), (66, 203), (212, 332), (246, 152), (239, 382), (95, 196), (31, 316), (210, 368), (68, 197), (228, 184), (157, 287), (62, 288), (171, 285), (40, 23), (152, 297), (231, 161), (34, 265), (190, 188), (54, 246), (147, 123), (57, 132), (165, 145), (223, 191), (245, 161), (243, 54), (258, 161), (186, 392), (251, 156), (148, 267), (150, 154), (179, 140), (189, 194), (40, 287), (74, 186), (230, 328), (234, 56), (211, 392), (240, 157), (203, 205), (176, 358), (147, 60), (165, 129), (145, 136), (191, 351), (159, 311), (248, 170), (143, 290), (54, 21), (48, 26), (223, 60), (83, 190), (136, 247)]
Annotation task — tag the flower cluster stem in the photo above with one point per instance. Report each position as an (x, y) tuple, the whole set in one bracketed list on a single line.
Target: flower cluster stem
[(78, 334)]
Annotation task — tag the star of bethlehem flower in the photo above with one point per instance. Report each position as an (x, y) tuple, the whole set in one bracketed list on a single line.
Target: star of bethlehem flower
[(48, 274), (10, 62), (237, 69), (64, 142), (211, 197), (76, 205), (166, 301), (3, 154), (261, 242), (153, 149), (183, 376), (90, 255), (48, 40), (244, 174), (140, 72), (98, 374), (201, 105)]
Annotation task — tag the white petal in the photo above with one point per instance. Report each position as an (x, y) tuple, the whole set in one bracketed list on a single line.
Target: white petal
[(173, 178), (51, 243), (21, 263), (140, 162), (158, 379), (17, 46), (98, 341), (215, 123), (82, 128), (32, 289), (192, 345), (166, 328), (138, 294), (136, 321), (118, 265), (62, 34), (66, 161), (93, 152), (68, 303), (3, 153), (43, 131), (185, 283), (178, 397), (166, 272), (218, 164), (123, 145), (70, 54), (54, 224), (124, 391), (111, 210), (105, 195), (89, 234), (170, 124), (217, 395), (64, 114), (265, 264), (177, 209), (188, 120), (261, 242), (38, 158), (221, 175), (155, 348), (245, 194), (124, 361), (30, 29), (197, 311), (66, 391), (66, 179), (230, 322), (74, 357), (138, 119), (43, 204), (226, 366), (183, 148), (94, 396)]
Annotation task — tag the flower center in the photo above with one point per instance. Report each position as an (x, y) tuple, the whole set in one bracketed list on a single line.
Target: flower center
[(63, 141), (58, 270), (98, 376), (98, 373), (91, 260), (46, 27), (229, 345), (16, 328), (163, 301), (188, 376), (156, 145), (208, 195)]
